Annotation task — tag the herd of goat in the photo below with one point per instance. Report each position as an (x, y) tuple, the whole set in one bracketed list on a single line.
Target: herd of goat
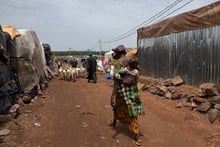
[(69, 73)]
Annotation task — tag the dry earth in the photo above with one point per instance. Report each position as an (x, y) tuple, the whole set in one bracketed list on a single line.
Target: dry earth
[(77, 114)]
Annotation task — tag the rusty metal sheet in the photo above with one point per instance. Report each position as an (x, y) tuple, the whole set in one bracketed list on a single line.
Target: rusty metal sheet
[(194, 55)]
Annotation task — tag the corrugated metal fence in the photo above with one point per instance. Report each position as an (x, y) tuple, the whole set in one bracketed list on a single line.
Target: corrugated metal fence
[(194, 55)]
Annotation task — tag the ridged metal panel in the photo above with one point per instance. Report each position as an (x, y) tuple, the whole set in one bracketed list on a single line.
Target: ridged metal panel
[(194, 55)]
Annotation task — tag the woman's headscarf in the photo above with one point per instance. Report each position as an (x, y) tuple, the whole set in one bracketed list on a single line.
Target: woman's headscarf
[(118, 51), (90, 54)]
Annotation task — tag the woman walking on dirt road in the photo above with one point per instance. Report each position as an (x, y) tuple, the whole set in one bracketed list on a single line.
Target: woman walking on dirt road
[(125, 98)]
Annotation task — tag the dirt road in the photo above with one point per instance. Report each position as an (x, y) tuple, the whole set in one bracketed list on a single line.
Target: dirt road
[(77, 114)]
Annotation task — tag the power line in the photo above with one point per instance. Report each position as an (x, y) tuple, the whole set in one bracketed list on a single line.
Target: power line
[(95, 45), (153, 20), (132, 31), (176, 9), (153, 17)]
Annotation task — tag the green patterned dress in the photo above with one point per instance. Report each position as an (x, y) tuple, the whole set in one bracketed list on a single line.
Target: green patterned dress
[(128, 101)]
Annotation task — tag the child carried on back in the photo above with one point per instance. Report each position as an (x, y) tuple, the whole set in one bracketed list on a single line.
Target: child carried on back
[(129, 77), (130, 73)]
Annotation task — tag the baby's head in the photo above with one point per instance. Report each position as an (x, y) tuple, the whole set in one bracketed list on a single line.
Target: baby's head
[(133, 63)]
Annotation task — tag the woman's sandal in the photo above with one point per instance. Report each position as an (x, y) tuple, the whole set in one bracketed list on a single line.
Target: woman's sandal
[(137, 140)]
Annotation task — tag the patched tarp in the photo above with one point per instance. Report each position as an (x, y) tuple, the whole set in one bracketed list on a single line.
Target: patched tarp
[(2, 41), (6, 87), (25, 44), (28, 58), (27, 73), (206, 16), (48, 56)]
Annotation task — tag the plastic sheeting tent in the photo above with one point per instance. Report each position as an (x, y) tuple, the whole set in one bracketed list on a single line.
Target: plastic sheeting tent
[(27, 57), (107, 57)]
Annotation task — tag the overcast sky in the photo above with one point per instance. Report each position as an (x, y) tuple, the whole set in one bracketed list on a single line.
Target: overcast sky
[(80, 24)]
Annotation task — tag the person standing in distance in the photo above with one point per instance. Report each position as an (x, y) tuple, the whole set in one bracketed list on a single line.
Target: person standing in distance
[(91, 68)]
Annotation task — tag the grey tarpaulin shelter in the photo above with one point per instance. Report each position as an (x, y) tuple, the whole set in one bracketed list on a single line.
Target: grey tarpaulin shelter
[(187, 45), (28, 58)]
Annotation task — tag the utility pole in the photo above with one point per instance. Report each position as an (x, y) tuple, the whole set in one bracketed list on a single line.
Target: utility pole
[(69, 51), (100, 47)]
